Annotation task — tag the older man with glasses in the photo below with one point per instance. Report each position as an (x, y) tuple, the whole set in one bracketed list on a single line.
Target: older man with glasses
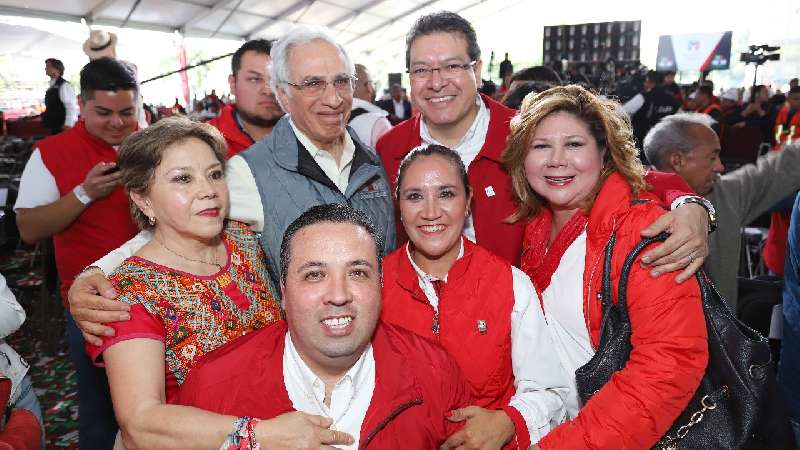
[(309, 158)]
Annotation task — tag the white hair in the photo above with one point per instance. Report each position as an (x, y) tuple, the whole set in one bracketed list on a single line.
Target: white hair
[(673, 134), (279, 69)]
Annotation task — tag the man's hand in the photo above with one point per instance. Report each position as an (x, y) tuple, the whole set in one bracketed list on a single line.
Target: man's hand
[(98, 185), (297, 430), (485, 429), (92, 303), (687, 246)]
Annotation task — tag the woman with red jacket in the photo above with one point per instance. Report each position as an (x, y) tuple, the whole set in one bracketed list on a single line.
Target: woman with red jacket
[(481, 309), (578, 180)]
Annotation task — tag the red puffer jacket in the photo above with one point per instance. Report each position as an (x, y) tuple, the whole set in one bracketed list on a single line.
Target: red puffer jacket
[(236, 139), (416, 386), (670, 345)]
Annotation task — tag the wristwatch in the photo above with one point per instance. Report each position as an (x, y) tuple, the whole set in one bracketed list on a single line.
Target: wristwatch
[(81, 195), (712, 213)]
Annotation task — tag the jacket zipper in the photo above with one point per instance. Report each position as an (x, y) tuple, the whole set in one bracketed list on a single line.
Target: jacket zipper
[(388, 419), (591, 281)]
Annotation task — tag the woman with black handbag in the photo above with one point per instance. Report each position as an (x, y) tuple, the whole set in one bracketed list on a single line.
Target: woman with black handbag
[(572, 160)]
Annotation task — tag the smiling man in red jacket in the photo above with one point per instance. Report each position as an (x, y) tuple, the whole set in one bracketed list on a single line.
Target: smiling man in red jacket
[(385, 386), (256, 110), (444, 64)]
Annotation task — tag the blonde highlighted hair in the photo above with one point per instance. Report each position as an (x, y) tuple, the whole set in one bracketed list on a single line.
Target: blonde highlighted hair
[(607, 123)]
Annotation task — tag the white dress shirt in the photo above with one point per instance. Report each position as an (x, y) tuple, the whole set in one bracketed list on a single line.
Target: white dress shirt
[(541, 387), (339, 172), (563, 304), (468, 148), (350, 397), (66, 93), (399, 108)]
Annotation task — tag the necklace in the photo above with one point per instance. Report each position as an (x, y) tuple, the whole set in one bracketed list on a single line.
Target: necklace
[(213, 263)]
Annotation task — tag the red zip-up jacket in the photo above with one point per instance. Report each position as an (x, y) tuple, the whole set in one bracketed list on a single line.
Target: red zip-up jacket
[(236, 139), (492, 201), (417, 384), (670, 342)]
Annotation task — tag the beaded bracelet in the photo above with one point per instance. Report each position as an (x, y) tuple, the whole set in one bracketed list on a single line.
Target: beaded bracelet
[(243, 436)]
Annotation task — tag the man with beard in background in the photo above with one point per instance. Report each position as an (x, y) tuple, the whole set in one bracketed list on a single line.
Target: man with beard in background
[(256, 110)]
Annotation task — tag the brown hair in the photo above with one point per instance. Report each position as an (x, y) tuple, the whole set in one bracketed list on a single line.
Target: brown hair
[(608, 125), (141, 152)]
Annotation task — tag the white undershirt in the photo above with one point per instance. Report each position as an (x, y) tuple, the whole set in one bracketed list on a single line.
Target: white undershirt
[(399, 109), (350, 397), (468, 148), (66, 93), (371, 125), (37, 187), (563, 304), (539, 380)]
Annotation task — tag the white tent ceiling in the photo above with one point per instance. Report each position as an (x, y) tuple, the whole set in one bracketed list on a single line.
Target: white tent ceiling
[(362, 25)]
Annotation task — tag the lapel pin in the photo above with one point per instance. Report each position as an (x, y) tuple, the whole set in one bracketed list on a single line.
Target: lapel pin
[(489, 191), (482, 326)]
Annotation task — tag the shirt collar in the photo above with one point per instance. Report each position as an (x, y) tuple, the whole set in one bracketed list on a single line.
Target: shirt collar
[(421, 274), (481, 121), (356, 376), (347, 152)]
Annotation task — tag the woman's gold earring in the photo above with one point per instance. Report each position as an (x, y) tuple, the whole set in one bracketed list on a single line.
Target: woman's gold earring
[(152, 221)]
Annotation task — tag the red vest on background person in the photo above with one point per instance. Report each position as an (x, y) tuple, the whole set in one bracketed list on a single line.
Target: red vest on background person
[(784, 127), (105, 224), (711, 108), (774, 252), (492, 202), (226, 123), (479, 287)]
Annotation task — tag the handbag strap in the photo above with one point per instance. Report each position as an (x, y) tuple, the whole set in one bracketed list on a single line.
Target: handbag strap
[(606, 294), (622, 288)]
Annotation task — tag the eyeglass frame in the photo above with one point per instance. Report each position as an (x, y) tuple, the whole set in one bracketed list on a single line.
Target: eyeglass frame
[(429, 71), (304, 86)]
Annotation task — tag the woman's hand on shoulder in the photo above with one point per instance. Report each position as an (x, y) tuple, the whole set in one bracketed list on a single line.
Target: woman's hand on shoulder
[(687, 247)]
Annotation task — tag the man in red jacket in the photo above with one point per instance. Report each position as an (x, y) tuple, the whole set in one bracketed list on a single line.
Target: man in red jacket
[(444, 64), (70, 191), (256, 110), (383, 385)]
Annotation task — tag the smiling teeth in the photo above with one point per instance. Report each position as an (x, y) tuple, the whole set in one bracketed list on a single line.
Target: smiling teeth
[(338, 322), (440, 99), (432, 228)]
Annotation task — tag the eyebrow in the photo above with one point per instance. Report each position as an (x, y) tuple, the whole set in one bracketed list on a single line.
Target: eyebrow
[(253, 72), (452, 59), (102, 109)]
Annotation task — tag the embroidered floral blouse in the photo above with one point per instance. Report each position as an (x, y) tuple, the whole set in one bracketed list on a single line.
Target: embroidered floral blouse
[(194, 314)]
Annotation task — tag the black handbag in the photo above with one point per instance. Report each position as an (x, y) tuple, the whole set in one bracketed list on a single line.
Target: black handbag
[(725, 411)]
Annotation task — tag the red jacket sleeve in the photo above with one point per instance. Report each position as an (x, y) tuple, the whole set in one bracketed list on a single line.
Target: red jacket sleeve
[(669, 357), (667, 186)]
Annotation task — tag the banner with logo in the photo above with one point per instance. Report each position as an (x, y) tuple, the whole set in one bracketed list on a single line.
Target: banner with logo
[(700, 51)]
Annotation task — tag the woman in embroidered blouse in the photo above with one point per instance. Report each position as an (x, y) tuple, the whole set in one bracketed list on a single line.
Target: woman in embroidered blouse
[(481, 309), (577, 177), (200, 283)]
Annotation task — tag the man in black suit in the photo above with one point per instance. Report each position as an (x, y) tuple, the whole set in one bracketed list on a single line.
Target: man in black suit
[(398, 107)]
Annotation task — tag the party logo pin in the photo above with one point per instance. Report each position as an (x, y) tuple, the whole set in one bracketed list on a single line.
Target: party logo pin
[(482, 327), (489, 191)]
